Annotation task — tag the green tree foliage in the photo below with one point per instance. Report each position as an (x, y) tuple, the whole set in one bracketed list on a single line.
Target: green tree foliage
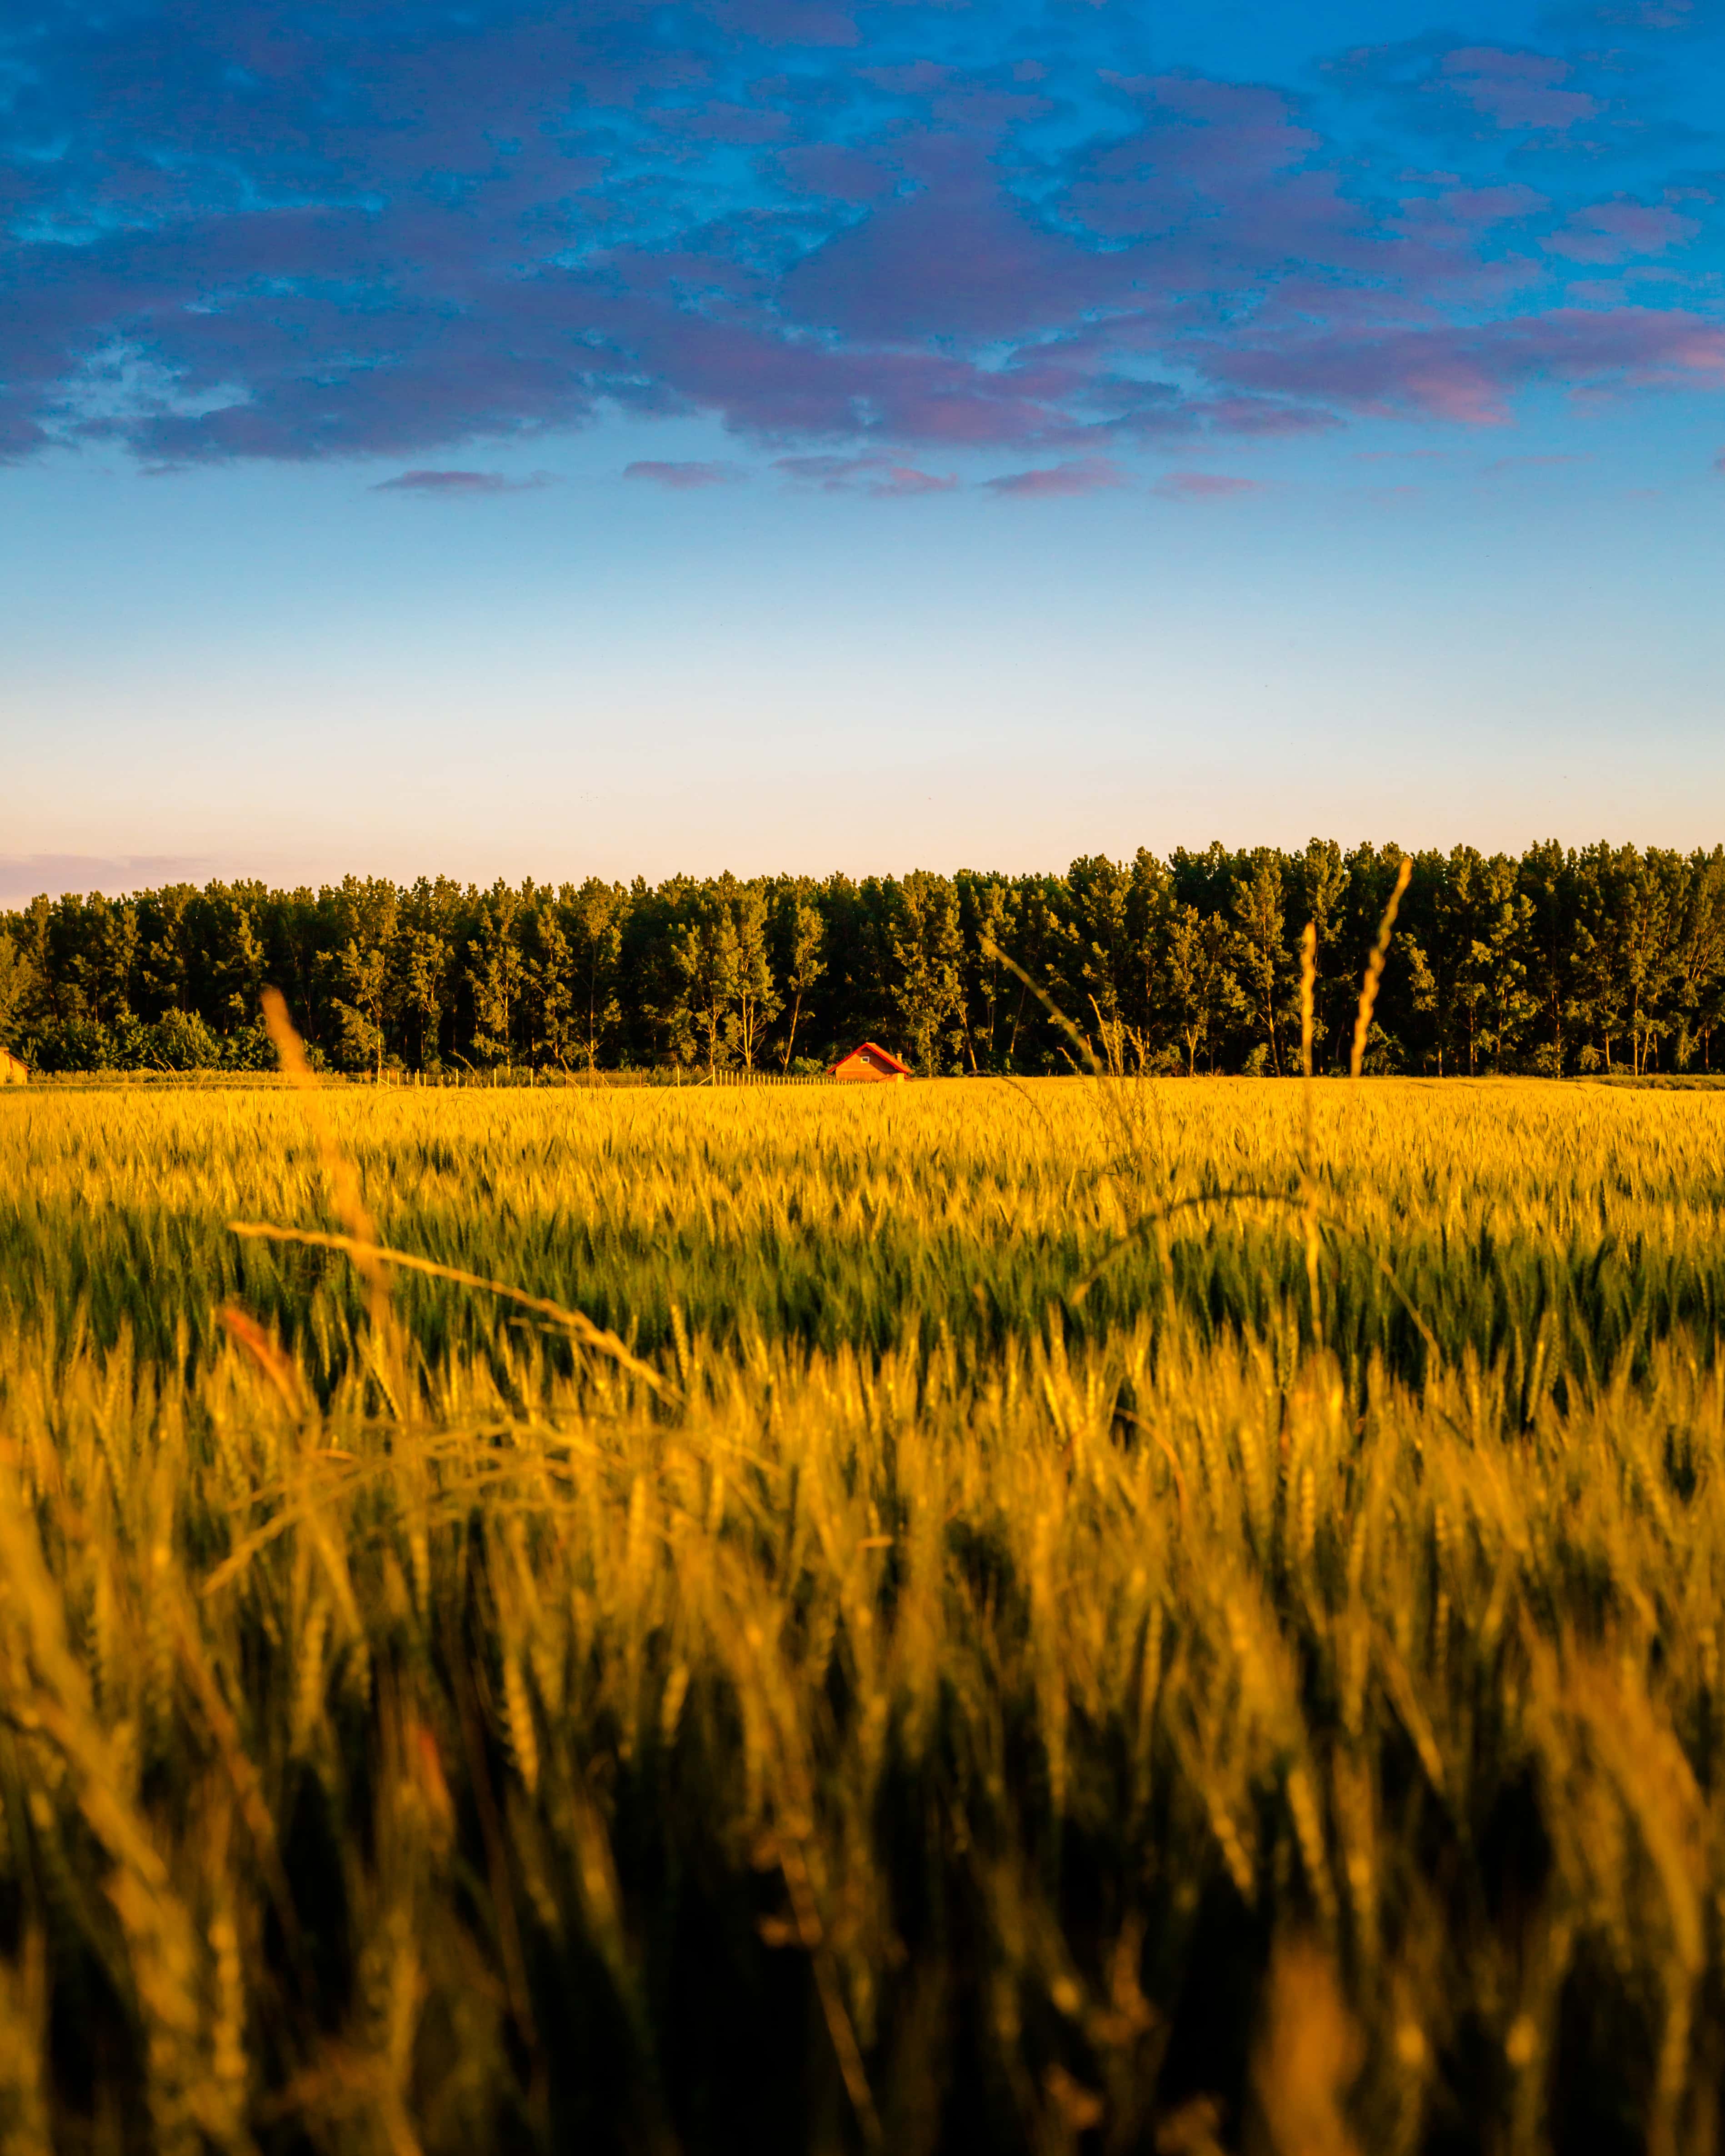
[(168, 948), (1562, 960), (365, 968), (799, 936), (494, 973), (424, 956), (927, 952), (1498, 956), (1260, 913), (549, 1017), (1201, 991), (1093, 941), (19, 989), (710, 965), (593, 918), (757, 1002), (988, 915), (1700, 972)]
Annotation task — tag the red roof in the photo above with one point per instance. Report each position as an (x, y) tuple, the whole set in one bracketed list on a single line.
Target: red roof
[(869, 1051)]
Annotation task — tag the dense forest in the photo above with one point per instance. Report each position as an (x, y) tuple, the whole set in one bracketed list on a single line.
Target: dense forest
[(1561, 962)]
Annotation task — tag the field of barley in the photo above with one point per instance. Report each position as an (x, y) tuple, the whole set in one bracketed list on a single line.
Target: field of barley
[(1075, 1615)]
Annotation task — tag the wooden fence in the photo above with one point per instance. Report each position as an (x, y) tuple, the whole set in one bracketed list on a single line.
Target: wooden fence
[(499, 1075), (766, 1078)]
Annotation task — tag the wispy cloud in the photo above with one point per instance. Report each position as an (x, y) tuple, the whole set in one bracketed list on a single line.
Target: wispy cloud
[(1499, 464), (1618, 231), (880, 476), (1519, 90), (1204, 486), (1467, 374), (24, 876), (461, 482), (1079, 475), (397, 232), (683, 478)]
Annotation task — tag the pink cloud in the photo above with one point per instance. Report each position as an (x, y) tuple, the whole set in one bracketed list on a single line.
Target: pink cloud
[(869, 474), (786, 388), (1613, 231), (1457, 218), (1264, 416), (1205, 486), (1215, 172), (1489, 205), (904, 479), (1081, 475), (1468, 375), (682, 478), (1208, 267), (1517, 89), (460, 482), (958, 259), (22, 875)]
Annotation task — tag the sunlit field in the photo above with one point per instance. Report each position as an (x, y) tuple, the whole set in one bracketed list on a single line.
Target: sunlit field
[(1073, 1615)]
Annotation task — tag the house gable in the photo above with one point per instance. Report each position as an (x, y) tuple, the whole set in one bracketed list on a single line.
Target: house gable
[(869, 1060)]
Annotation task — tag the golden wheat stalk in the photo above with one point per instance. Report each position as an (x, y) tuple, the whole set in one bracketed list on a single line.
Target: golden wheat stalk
[(1308, 1161), (1374, 969), (346, 1191), (373, 1255)]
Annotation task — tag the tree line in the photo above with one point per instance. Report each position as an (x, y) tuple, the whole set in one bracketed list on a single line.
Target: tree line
[(1558, 962)]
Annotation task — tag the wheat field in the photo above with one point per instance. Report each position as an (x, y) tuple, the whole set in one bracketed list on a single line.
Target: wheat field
[(1075, 1615)]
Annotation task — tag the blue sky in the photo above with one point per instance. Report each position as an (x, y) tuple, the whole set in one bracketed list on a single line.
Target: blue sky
[(777, 433)]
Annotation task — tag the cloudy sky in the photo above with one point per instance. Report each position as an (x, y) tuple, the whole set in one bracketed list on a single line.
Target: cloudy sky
[(810, 433)]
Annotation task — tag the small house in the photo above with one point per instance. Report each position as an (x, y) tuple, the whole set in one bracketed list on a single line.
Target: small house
[(14, 1070), (869, 1062)]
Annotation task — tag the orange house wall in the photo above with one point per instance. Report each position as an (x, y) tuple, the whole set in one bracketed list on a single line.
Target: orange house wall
[(858, 1066)]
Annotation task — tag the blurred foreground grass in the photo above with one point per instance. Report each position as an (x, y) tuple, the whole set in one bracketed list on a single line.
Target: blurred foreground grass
[(1268, 1699)]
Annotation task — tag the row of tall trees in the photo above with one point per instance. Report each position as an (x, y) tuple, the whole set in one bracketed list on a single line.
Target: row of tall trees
[(1560, 960)]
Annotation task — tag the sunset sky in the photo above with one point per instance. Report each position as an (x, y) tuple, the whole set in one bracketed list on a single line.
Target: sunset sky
[(791, 434)]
